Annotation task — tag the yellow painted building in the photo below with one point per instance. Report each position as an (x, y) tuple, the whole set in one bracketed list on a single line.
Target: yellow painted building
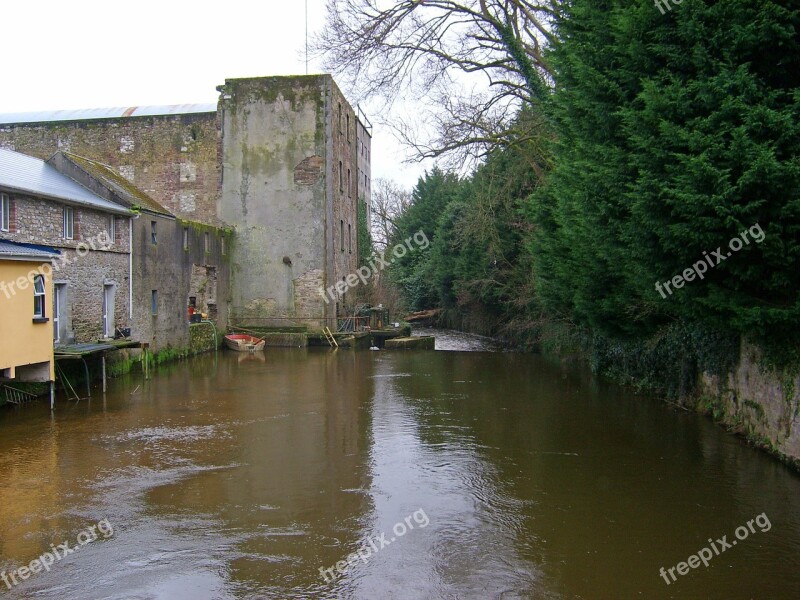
[(26, 305)]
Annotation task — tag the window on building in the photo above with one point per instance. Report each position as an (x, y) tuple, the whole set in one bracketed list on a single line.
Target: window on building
[(5, 212), (349, 184), (341, 233), (222, 245), (38, 297), (185, 238), (349, 239), (69, 223), (341, 177), (112, 229), (154, 302), (205, 242), (153, 236), (348, 129), (340, 118)]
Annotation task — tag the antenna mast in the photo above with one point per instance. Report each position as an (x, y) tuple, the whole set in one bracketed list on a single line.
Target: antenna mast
[(306, 37)]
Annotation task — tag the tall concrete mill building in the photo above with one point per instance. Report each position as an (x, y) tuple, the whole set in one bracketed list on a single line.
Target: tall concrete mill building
[(283, 161)]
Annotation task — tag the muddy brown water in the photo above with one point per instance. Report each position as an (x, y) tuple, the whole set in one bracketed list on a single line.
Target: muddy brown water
[(498, 475)]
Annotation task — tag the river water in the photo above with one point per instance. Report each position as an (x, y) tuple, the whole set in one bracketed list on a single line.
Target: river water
[(453, 474)]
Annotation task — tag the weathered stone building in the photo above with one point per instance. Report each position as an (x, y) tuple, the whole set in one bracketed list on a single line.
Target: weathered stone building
[(174, 262), (289, 187), (168, 152), (364, 149), (91, 279), (281, 160)]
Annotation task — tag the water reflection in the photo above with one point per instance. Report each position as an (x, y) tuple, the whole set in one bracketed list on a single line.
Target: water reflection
[(227, 477)]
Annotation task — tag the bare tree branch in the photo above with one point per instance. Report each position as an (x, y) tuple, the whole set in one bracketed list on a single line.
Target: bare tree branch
[(389, 201), (472, 64)]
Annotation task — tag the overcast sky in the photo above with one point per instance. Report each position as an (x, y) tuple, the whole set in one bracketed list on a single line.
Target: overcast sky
[(97, 54)]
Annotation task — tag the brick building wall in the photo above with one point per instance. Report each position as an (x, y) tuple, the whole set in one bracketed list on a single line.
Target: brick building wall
[(173, 158), (85, 267), (364, 160), (344, 160)]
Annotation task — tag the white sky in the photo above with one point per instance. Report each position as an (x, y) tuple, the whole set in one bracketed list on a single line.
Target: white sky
[(97, 54)]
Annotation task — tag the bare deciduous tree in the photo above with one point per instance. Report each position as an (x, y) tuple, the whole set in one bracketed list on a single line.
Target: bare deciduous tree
[(389, 201), (472, 64)]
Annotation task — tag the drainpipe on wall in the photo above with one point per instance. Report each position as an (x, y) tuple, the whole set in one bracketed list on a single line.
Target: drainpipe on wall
[(130, 267)]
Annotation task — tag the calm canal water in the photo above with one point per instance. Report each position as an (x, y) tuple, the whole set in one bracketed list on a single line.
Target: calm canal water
[(498, 475)]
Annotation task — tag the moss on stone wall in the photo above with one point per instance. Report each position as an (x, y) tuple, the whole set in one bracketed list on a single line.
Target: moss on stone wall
[(268, 89), (203, 338)]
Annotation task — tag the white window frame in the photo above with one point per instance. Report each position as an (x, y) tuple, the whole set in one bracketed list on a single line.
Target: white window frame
[(69, 223), (38, 297), (5, 212)]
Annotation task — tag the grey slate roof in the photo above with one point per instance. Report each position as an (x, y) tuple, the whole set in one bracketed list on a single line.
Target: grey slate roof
[(17, 251), (22, 173), (82, 114)]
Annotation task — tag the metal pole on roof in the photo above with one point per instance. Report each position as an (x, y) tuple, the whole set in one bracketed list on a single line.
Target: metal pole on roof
[(306, 37)]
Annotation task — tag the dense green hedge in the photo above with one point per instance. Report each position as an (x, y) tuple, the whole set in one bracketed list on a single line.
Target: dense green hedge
[(666, 137)]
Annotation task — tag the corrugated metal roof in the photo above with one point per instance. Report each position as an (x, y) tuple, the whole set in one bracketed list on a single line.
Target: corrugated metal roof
[(22, 173), (32, 251), (82, 114)]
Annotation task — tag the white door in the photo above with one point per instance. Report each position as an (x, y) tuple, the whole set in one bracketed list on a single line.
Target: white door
[(56, 312), (108, 311)]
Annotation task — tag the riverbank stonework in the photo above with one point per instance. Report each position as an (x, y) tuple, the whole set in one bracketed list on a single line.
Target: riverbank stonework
[(750, 398), (757, 402)]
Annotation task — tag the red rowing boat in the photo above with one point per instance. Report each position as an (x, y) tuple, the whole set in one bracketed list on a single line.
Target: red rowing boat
[(244, 343)]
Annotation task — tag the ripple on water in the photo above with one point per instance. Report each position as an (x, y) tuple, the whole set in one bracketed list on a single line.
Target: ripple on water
[(153, 435)]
